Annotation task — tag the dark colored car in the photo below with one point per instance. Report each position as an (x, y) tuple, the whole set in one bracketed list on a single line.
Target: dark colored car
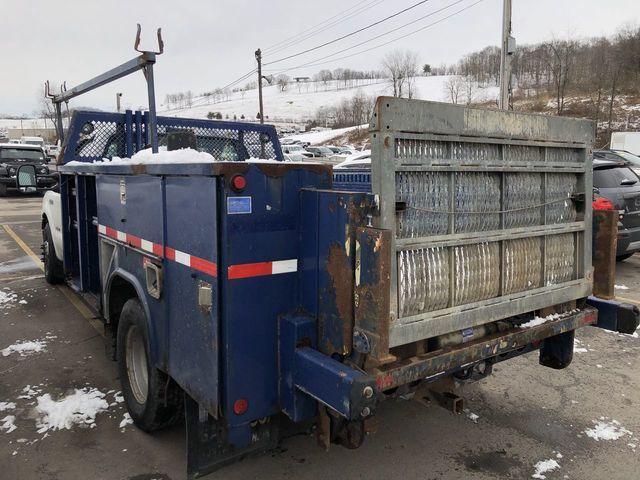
[(619, 155), (616, 181), (13, 156)]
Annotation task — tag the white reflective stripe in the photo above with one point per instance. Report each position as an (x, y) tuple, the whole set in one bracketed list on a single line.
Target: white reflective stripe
[(102, 229), (183, 258), (121, 236), (284, 266), (146, 245)]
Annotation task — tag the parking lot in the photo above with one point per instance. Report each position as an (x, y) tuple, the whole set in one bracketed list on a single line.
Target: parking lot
[(585, 418)]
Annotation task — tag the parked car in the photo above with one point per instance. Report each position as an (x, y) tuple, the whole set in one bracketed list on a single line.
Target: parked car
[(296, 153), (617, 182), (39, 141), (619, 155), (335, 150), (52, 150), (320, 152), (13, 156)]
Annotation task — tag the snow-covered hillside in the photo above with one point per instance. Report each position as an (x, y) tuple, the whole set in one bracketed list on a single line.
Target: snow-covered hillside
[(299, 103)]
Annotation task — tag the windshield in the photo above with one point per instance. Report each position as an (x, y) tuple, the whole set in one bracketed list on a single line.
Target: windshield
[(294, 148), (33, 142), (21, 154), (629, 157)]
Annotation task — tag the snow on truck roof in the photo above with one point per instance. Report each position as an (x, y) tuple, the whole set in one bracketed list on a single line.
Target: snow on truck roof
[(179, 162)]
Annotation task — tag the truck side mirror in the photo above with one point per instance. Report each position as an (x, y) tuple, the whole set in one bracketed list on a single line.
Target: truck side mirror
[(26, 178)]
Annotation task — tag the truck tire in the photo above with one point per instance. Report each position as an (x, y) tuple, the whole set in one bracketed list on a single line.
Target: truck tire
[(53, 270), (153, 400)]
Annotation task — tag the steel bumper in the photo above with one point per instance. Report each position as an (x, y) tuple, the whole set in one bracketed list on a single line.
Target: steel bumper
[(435, 364)]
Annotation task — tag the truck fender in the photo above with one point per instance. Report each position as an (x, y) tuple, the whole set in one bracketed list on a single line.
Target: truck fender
[(52, 214), (140, 293)]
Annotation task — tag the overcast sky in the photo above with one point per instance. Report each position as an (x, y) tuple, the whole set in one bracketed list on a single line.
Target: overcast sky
[(211, 43)]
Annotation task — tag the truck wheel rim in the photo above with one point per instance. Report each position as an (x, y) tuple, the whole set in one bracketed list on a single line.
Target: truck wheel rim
[(137, 365)]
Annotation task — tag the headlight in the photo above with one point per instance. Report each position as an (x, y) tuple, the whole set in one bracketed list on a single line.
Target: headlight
[(43, 169), (11, 170)]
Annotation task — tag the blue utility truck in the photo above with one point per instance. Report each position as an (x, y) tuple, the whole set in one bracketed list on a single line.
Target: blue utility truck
[(254, 297)]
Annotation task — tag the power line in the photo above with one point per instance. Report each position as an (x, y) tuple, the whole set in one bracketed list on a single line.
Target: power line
[(349, 34), (299, 40), (316, 62), (322, 25), (380, 35)]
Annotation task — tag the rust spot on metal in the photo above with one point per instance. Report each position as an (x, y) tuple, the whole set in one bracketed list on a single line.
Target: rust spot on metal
[(605, 231), (139, 169), (341, 275), (279, 169)]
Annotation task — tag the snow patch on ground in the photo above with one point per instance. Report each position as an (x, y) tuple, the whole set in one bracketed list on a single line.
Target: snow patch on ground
[(126, 420), (7, 406), (325, 135), (7, 298), (543, 467), (29, 392), (78, 408), (577, 348), (607, 430), (7, 424), (621, 287), (471, 416), (25, 348)]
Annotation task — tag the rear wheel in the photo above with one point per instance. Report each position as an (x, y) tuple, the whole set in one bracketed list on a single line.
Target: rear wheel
[(153, 400), (53, 270)]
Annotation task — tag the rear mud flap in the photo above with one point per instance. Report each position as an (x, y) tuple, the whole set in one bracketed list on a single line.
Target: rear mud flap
[(557, 351), (211, 445)]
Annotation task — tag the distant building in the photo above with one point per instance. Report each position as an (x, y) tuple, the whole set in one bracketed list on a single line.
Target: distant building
[(302, 79)]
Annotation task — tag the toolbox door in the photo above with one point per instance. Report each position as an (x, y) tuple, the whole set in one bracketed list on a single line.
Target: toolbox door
[(192, 286)]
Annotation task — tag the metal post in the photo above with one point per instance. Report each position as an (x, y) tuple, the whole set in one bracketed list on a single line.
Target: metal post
[(153, 126), (118, 97), (59, 129), (259, 59), (506, 55)]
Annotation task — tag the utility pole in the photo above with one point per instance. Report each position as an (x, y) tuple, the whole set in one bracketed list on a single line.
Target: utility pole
[(259, 60), (118, 98), (506, 56)]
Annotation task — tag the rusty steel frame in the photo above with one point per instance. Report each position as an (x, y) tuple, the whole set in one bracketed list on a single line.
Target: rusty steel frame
[(433, 365), (395, 118)]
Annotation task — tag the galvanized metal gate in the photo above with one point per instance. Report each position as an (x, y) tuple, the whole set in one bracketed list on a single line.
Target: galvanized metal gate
[(490, 213)]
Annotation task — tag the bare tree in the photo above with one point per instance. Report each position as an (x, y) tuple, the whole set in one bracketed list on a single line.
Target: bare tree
[(46, 109), (282, 81), (453, 87), (401, 67), (392, 64)]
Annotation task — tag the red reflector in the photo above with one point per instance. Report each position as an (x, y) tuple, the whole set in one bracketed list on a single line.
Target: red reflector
[(238, 182), (602, 203), (240, 406)]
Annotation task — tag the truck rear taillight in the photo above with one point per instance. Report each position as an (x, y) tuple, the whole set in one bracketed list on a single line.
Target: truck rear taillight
[(240, 406), (238, 183)]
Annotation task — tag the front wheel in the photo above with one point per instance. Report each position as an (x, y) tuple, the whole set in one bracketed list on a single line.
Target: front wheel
[(53, 270), (153, 400)]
